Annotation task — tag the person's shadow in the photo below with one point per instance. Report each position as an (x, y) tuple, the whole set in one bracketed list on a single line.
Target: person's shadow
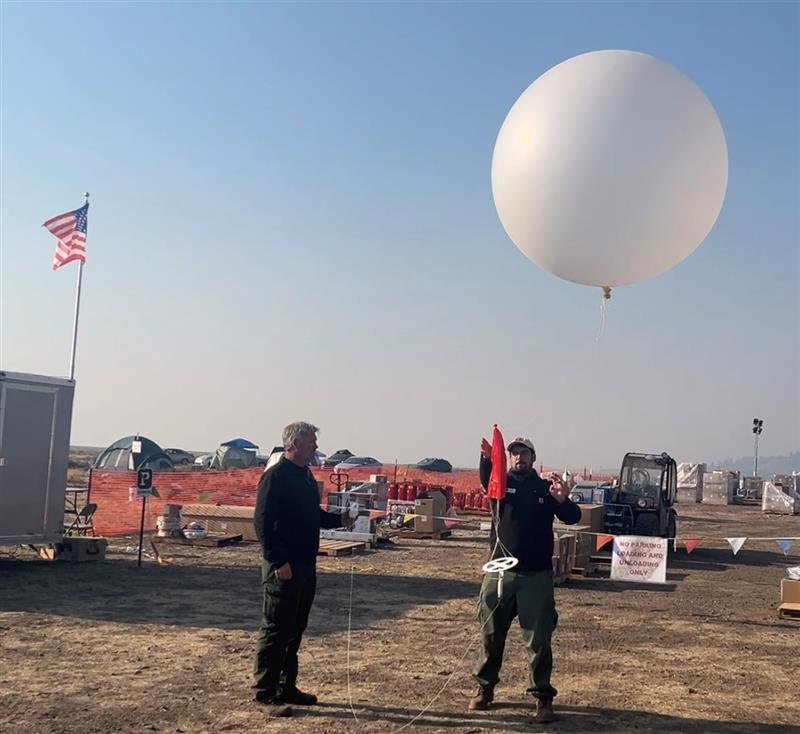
[(519, 717)]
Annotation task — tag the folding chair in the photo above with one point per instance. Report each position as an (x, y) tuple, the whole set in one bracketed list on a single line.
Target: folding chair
[(82, 524)]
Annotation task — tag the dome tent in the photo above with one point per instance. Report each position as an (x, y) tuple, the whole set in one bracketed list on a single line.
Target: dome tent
[(238, 453), (119, 456)]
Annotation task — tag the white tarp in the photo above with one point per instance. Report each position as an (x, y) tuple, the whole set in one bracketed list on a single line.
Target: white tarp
[(781, 501), (690, 475), (639, 558)]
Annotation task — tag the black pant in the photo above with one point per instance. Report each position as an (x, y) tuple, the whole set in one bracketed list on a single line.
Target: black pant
[(528, 596), (283, 620)]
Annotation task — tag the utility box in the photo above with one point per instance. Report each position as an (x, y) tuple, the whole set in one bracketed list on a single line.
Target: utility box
[(591, 516), (429, 510), (80, 550), (35, 421)]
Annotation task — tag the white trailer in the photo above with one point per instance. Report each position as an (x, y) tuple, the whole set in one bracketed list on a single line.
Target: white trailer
[(35, 421)]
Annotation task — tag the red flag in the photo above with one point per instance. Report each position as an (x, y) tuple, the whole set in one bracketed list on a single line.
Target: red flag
[(499, 475), (691, 544), (602, 539)]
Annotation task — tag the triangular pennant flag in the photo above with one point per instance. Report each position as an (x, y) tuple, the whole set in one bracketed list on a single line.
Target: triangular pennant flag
[(449, 522), (374, 514), (736, 544), (785, 544), (691, 544), (408, 517), (602, 540)]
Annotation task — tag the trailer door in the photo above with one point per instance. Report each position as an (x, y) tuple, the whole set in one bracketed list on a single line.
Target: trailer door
[(27, 429)]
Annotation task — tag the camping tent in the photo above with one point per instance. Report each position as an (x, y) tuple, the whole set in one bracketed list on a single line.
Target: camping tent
[(118, 456), (239, 453)]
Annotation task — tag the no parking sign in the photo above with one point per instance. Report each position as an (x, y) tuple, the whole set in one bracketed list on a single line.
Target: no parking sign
[(639, 558)]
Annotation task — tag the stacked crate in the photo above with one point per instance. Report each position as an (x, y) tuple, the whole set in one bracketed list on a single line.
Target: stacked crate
[(719, 487), (690, 482)]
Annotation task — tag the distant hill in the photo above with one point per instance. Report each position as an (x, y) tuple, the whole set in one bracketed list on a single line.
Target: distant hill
[(767, 465)]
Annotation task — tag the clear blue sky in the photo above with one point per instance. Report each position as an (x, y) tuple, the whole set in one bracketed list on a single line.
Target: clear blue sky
[(292, 219)]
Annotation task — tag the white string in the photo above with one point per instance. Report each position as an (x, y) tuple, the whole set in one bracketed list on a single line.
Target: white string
[(603, 310), (349, 629), (602, 327), (449, 677), (495, 513)]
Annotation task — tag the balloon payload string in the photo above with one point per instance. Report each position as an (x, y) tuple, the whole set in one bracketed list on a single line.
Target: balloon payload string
[(507, 561), (603, 309), (496, 565), (456, 667)]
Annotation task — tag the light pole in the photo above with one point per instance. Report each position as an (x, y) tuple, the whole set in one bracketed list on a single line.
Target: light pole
[(758, 426)]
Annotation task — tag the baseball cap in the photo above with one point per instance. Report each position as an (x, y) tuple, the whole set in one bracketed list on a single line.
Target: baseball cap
[(519, 441)]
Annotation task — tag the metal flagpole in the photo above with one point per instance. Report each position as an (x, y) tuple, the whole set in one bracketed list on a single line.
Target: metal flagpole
[(77, 310)]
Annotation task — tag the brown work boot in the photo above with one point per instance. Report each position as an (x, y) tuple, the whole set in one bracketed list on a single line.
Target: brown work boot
[(483, 698), (273, 706), (544, 711)]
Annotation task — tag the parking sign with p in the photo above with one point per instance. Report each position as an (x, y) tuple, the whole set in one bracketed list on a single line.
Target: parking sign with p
[(144, 482)]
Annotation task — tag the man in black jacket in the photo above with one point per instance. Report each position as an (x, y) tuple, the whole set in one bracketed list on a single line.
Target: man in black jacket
[(287, 519), (522, 527)]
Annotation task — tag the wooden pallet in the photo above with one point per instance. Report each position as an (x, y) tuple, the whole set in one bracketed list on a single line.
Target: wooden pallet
[(560, 579), (210, 541), (789, 611), (416, 535), (340, 547), (588, 570)]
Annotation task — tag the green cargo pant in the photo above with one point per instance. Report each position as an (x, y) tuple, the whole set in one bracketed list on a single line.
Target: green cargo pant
[(283, 620), (528, 595)]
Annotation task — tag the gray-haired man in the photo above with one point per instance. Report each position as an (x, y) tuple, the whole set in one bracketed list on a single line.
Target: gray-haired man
[(288, 518)]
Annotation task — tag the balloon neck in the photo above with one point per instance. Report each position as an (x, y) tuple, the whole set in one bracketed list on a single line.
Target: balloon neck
[(607, 292)]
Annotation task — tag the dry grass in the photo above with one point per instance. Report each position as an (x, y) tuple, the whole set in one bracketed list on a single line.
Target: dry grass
[(77, 477), (107, 647)]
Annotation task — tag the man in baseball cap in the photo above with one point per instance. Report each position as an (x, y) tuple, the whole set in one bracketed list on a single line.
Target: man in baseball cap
[(525, 443), (522, 527)]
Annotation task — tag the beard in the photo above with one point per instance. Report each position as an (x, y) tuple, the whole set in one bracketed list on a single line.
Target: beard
[(521, 470)]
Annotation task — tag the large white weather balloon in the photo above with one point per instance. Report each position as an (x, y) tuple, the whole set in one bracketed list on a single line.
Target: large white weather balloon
[(610, 168)]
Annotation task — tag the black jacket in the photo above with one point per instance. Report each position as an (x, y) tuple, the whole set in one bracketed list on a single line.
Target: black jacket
[(288, 516), (526, 518)]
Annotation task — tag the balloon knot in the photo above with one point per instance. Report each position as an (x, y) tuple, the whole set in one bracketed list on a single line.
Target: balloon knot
[(607, 292)]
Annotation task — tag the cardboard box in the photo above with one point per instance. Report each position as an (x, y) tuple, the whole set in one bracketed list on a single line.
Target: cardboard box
[(790, 591), (687, 495), (229, 519), (584, 545), (591, 516), (81, 549), (563, 553), (429, 512)]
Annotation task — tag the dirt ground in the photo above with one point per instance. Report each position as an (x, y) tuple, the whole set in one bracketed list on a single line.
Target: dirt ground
[(108, 647)]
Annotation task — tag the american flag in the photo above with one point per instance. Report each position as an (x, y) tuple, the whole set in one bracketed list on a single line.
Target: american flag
[(70, 229)]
